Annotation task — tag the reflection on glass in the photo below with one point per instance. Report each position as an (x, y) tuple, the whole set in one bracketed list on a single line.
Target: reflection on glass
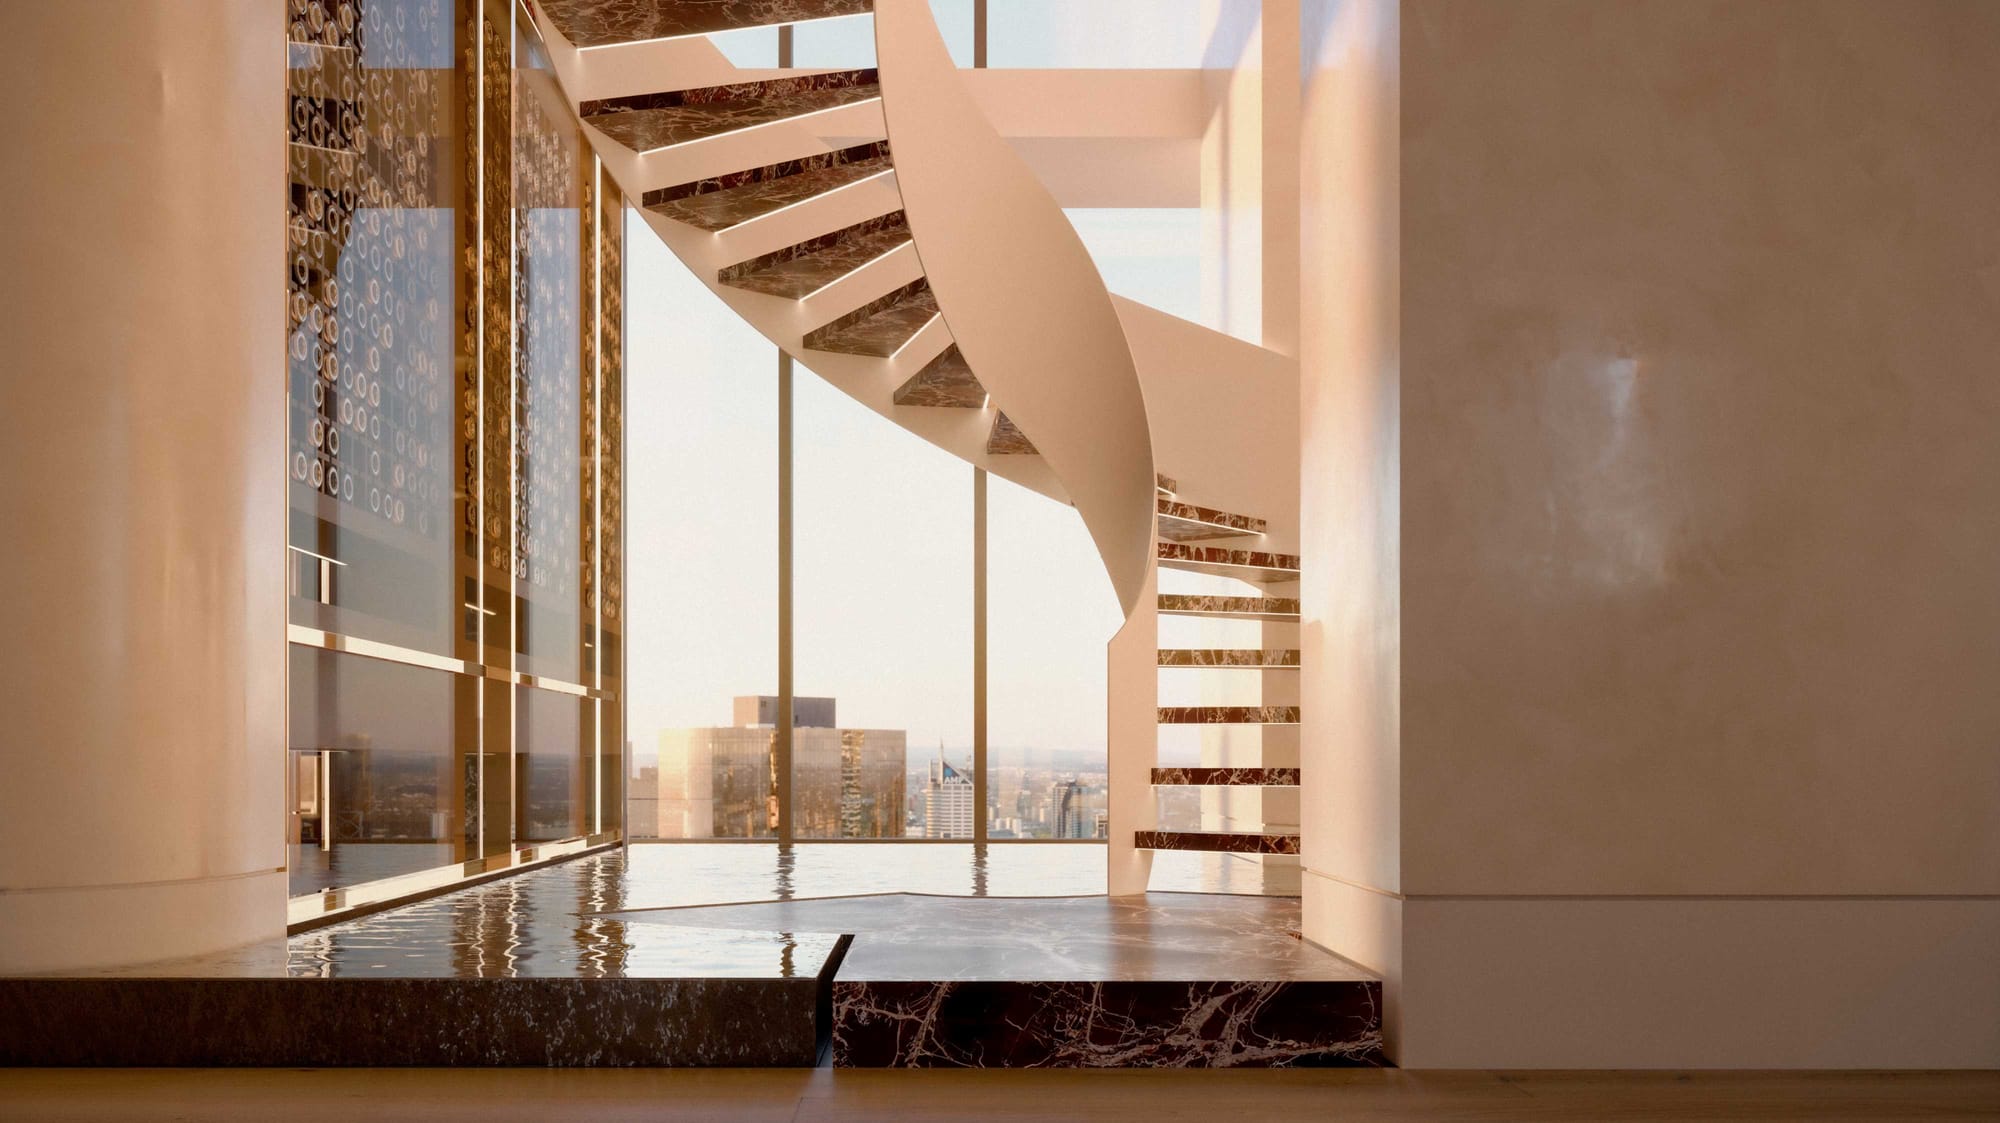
[(444, 372), (376, 789), (547, 736), (374, 231), (548, 324), (883, 572)]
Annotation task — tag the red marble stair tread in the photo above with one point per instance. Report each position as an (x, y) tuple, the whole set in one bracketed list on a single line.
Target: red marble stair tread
[(1228, 715), (1249, 658), (1186, 522), (1217, 842), (806, 267), (1241, 608), (1216, 555), (723, 207), (603, 23), (1227, 777), (647, 122)]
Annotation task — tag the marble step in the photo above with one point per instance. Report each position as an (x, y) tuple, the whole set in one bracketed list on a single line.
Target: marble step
[(1007, 438), (1246, 658), (1217, 842), (720, 202), (1185, 522), (602, 23), (800, 270), (1280, 609), (648, 122), (1226, 777), (1165, 485), (1229, 715), (881, 326), (944, 381), (1246, 565)]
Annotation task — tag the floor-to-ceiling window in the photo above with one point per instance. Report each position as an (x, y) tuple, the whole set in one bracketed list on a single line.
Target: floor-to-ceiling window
[(704, 544), (454, 370), (883, 578)]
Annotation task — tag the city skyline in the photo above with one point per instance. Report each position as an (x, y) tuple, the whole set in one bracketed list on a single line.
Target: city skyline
[(883, 526)]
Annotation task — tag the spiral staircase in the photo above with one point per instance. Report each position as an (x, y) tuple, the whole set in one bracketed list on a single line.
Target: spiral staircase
[(875, 226)]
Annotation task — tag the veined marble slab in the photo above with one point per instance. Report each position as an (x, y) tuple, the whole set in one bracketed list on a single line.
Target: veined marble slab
[(944, 381), (720, 202), (881, 326), (599, 23), (646, 122), (799, 270), (1007, 438), (1167, 980)]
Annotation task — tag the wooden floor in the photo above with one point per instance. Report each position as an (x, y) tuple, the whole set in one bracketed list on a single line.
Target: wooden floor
[(1017, 1096)]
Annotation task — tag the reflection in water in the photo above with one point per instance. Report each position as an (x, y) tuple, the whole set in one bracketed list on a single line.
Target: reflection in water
[(550, 923)]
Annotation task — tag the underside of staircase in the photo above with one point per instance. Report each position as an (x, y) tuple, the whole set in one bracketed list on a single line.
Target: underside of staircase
[(782, 191)]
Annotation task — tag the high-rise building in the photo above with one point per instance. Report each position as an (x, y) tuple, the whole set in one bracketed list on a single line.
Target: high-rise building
[(1072, 815), (947, 801), (721, 781)]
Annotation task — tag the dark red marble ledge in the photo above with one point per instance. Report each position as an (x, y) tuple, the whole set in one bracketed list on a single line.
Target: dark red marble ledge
[(1217, 842), (1228, 715), (1264, 1023), (770, 173), (442, 1022), (737, 93), (601, 23), (1165, 485), (1227, 777)]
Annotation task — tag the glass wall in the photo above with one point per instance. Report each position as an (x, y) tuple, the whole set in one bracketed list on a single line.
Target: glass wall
[(704, 531), (883, 578), (1050, 610), (453, 364)]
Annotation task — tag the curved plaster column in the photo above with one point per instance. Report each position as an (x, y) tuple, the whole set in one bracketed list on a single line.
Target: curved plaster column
[(142, 443)]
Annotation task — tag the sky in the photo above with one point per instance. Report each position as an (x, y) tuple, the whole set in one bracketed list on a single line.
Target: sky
[(882, 519)]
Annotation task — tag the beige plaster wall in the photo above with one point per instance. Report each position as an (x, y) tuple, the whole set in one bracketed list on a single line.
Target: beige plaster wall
[(1685, 747), (1701, 418)]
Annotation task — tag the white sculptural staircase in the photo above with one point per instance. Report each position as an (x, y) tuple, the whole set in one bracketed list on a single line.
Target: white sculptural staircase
[(874, 225)]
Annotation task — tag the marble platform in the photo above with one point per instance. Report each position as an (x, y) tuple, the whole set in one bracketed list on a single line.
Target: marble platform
[(602, 961), (1167, 980)]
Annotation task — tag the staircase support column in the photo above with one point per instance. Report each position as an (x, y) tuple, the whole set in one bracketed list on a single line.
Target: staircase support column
[(1132, 699)]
